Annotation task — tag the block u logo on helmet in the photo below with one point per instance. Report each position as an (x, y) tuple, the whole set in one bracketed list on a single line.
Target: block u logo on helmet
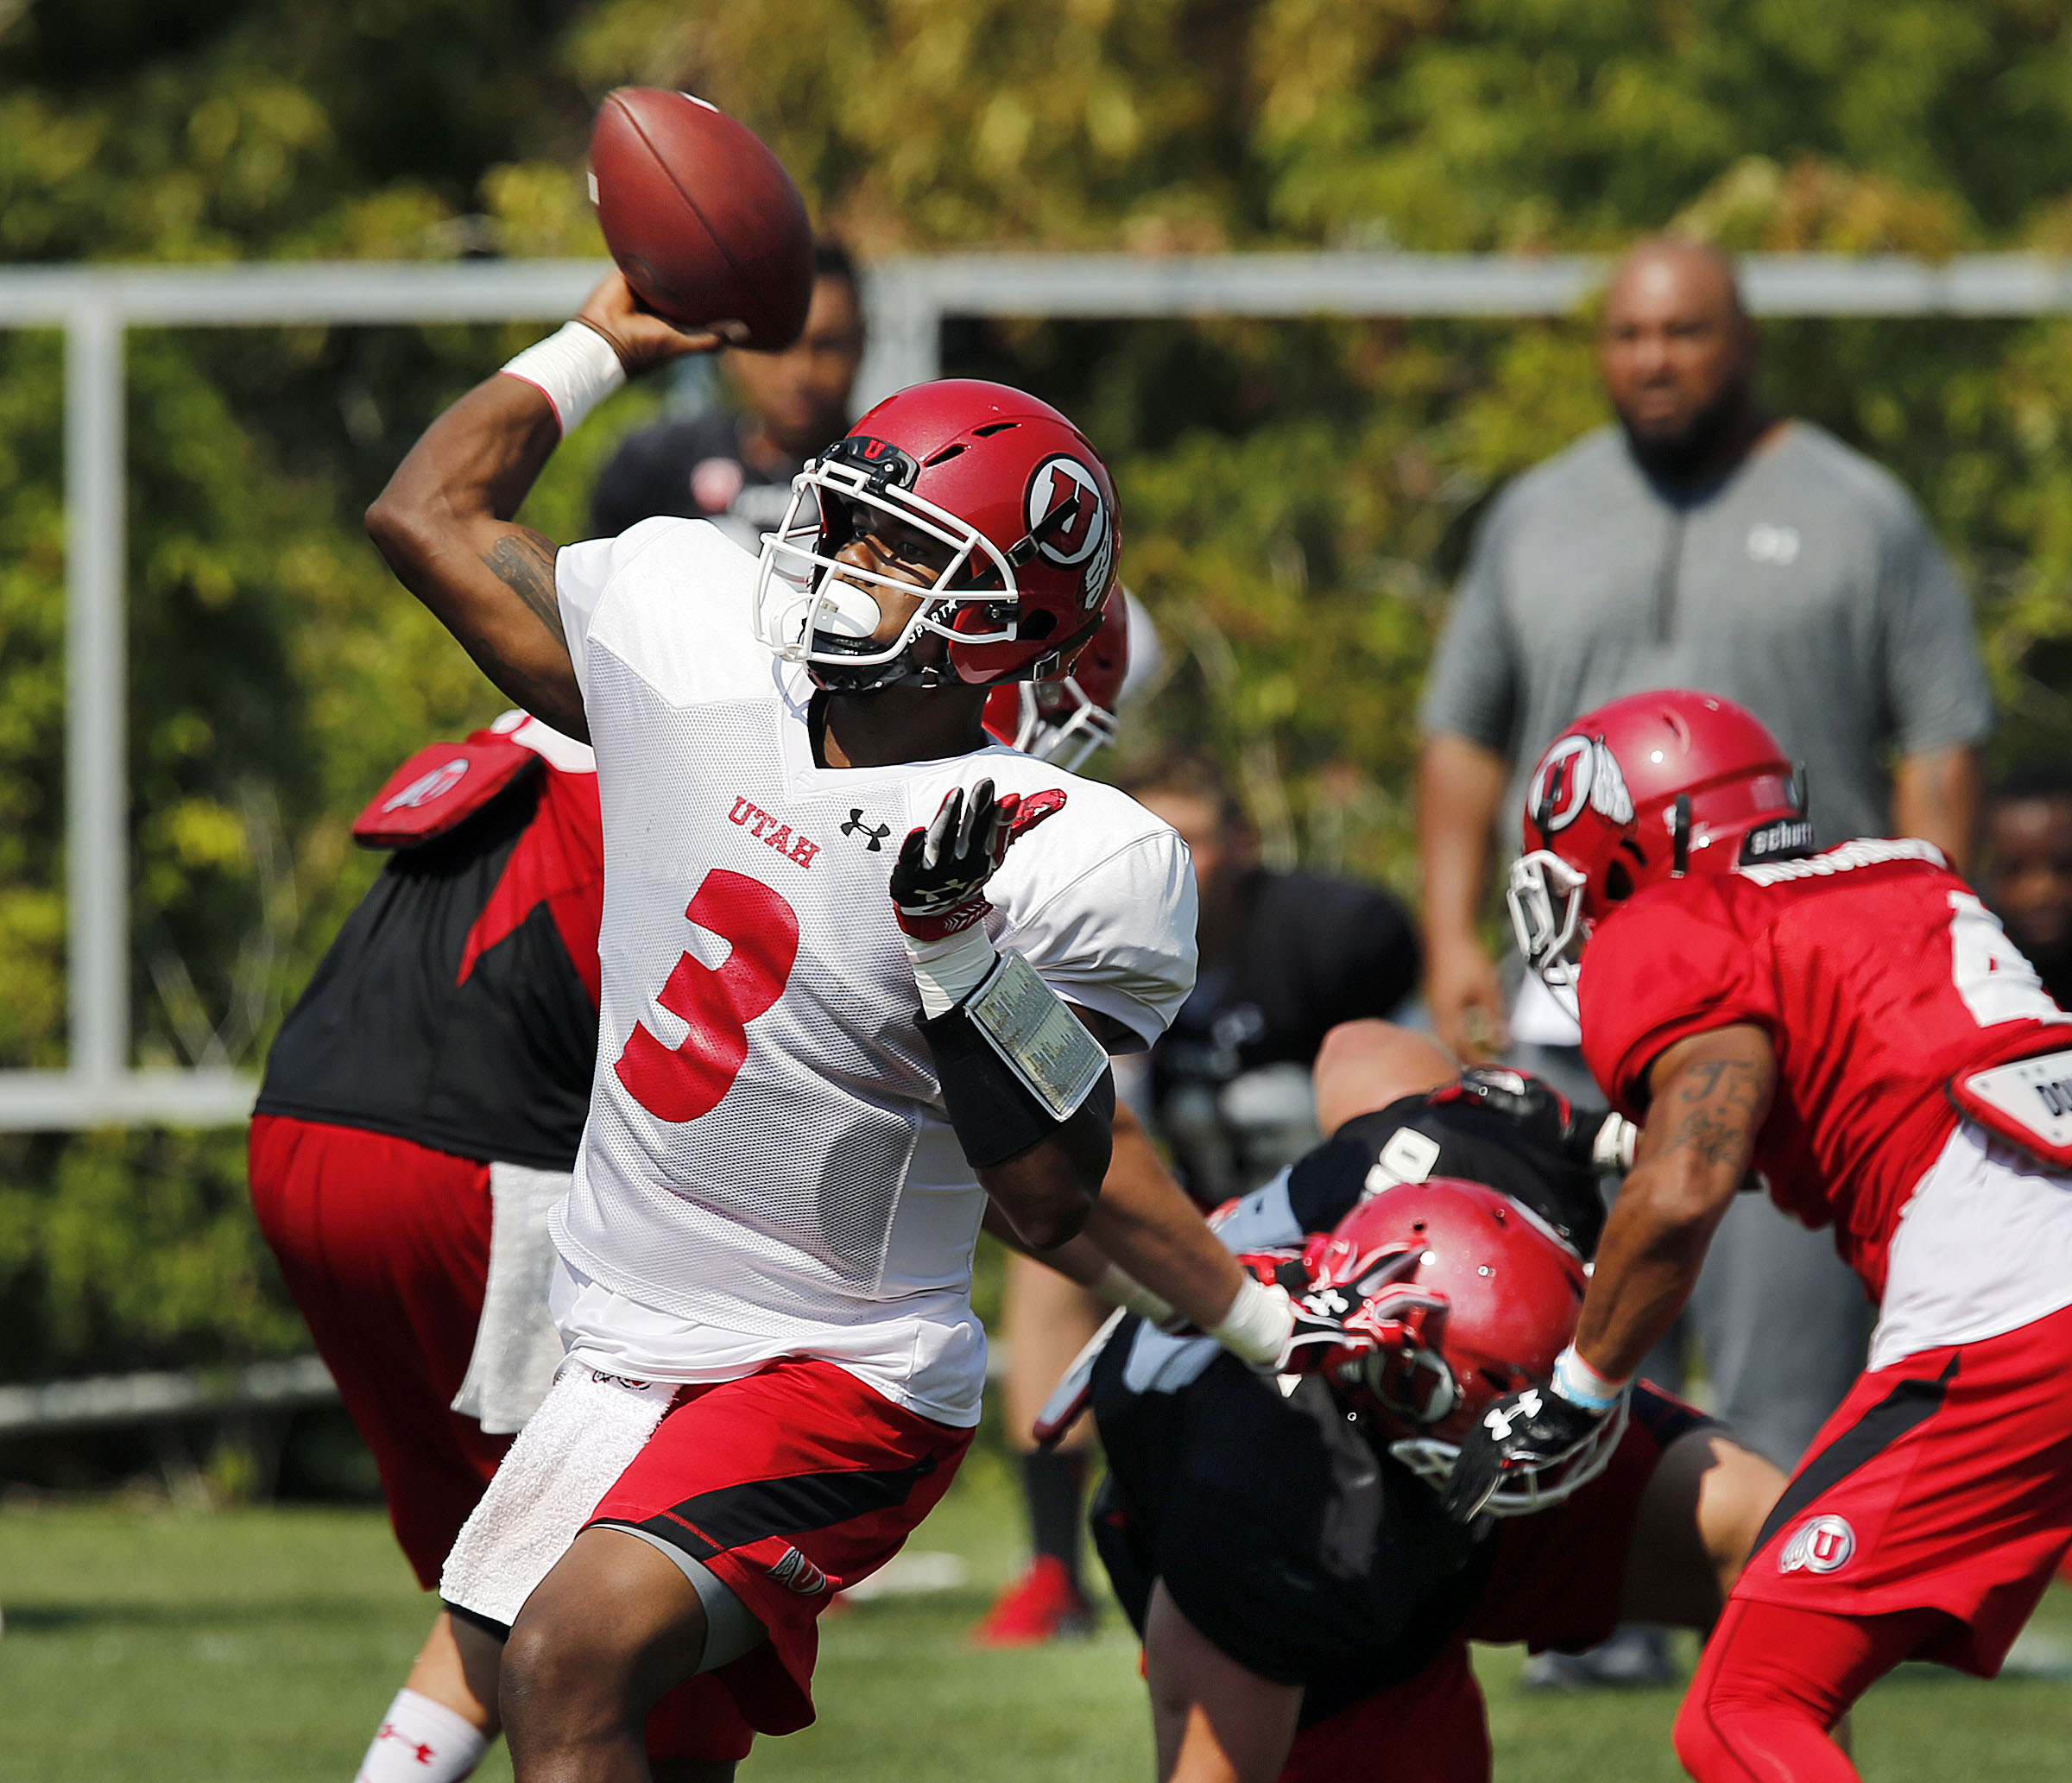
[(1577, 774), (1067, 518)]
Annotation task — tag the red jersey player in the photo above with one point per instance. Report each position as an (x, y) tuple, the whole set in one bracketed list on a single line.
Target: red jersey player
[(422, 1110), (1854, 1027)]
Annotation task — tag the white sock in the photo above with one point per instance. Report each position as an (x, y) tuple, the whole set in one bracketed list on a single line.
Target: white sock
[(423, 1741)]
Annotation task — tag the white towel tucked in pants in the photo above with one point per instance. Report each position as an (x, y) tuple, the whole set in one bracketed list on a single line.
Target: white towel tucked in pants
[(584, 1435), (516, 1346)]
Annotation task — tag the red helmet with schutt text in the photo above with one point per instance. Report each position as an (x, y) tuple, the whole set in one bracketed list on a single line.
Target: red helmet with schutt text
[(1646, 788)]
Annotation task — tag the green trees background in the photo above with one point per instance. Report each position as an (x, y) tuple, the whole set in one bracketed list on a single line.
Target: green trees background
[(1296, 496)]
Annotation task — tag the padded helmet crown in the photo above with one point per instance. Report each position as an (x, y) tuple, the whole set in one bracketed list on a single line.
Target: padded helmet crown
[(1467, 1297), (1009, 490), (1646, 788)]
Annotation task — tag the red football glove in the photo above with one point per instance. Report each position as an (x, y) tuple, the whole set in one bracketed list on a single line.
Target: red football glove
[(1326, 1332)]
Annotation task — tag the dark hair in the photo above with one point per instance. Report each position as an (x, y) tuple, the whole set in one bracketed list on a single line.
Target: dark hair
[(1190, 776), (831, 260), (2039, 777)]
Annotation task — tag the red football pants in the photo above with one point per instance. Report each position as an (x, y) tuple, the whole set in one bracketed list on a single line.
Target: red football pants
[(385, 1246), (1431, 1728), (1774, 1680)]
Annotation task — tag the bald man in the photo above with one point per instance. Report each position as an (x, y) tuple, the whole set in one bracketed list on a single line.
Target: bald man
[(1700, 541)]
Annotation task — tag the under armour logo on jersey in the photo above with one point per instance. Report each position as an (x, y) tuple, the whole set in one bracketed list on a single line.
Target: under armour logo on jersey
[(1771, 544), (1499, 1420), (424, 1755), (877, 833), (1327, 1303)]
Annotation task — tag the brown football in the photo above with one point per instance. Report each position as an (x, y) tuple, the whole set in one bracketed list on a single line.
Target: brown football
[(702, 219)]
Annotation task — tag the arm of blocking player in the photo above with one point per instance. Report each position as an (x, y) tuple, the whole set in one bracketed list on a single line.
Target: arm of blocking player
[(1147, 1226), (444, 522), (1710, 1094)]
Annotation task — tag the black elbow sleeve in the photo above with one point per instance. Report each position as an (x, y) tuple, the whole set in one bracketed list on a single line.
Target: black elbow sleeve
[(994, 1115)]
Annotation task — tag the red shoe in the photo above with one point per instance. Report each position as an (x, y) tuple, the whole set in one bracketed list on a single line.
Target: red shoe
[(1043, 1604)]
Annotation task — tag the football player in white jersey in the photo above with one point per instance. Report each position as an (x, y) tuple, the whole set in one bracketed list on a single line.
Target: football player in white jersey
[(823, 1048)]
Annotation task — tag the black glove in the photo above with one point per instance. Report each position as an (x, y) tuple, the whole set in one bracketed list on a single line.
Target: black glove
[(1332, 1325), (1319, 1339), (1522, 1433), (939, 882)]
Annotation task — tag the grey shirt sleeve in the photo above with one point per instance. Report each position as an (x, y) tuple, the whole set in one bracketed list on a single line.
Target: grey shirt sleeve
[(1472, 690), (1935, 685)]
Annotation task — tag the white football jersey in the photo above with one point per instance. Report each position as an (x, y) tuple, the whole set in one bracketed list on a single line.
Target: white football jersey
[(767, 1170)]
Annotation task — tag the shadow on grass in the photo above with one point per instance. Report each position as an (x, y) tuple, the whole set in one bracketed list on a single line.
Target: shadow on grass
[(33, 1618)]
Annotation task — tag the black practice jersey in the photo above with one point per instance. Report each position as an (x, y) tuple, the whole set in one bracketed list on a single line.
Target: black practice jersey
[(1298, 1547), (1294, 1543), (459, 1006), (1423, 1136)]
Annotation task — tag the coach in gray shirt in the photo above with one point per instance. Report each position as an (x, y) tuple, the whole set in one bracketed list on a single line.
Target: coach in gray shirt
[(1699, 543)]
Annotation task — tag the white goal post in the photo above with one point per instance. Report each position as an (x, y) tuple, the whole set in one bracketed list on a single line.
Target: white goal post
[(906, 300)]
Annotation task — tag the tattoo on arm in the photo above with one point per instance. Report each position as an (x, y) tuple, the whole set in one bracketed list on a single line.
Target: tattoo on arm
[(1717, 1105), (524, 563)]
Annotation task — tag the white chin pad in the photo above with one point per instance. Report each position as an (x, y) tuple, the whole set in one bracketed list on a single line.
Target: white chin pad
[(846, 610)]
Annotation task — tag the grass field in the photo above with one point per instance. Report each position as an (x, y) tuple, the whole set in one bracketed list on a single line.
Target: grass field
[(147, 1643)]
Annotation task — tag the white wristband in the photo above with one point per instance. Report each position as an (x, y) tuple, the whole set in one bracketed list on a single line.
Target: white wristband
[(947, 971), (1576, 1382), (1120, 1288), (575, 370), (1257, 1327)]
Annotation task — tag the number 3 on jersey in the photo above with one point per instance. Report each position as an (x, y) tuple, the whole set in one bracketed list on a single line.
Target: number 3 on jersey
[(716, 1005)]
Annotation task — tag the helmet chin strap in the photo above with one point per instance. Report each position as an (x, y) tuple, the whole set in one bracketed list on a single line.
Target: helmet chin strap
[(900, 671), (1679, 837)]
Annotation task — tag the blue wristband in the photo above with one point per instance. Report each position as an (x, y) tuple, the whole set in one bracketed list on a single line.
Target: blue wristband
[(1576, 1380)]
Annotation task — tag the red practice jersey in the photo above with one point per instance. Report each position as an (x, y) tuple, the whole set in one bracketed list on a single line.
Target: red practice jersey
[(1878, 976)]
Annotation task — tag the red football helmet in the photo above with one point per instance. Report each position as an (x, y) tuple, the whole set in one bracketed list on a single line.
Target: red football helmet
[(1647, 788), (1067, 718), (1006, 484), (1465, 1296)]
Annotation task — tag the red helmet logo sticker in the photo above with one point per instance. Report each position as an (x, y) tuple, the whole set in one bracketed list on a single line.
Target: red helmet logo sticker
[(1068, 519), (1578, 773)]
